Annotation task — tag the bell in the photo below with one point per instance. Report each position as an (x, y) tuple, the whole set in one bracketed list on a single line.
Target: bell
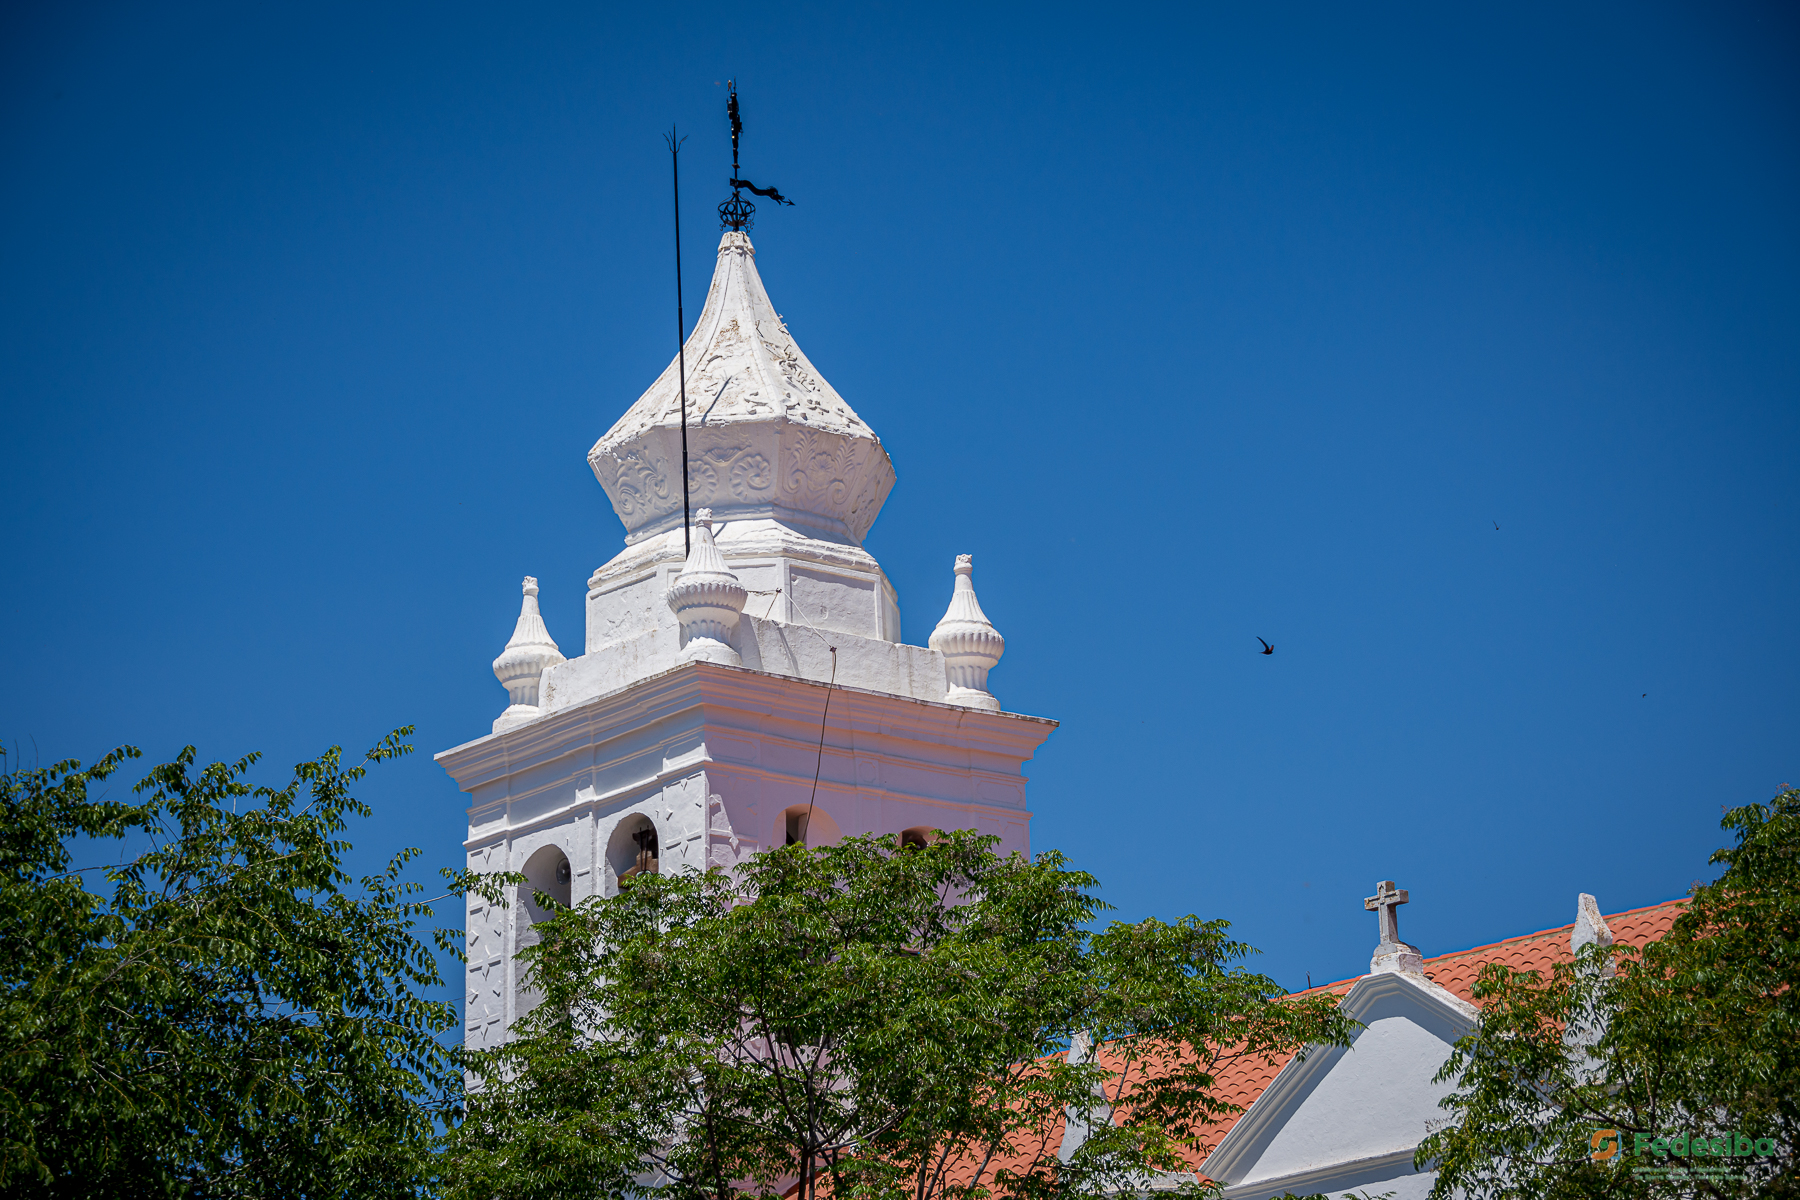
[(646, 855)]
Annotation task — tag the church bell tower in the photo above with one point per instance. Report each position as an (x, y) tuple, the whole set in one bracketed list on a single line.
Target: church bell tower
[(742, 682)]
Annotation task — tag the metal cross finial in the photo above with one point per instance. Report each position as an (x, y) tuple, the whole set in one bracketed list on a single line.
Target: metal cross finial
[(739, 212), (736, 213), (1387, 901), (737, 123)]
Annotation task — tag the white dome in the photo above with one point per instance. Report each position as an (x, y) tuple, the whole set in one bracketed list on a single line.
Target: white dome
[(767, 435)]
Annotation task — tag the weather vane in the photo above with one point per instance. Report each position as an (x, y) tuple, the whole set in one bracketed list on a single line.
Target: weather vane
[(738, 212)]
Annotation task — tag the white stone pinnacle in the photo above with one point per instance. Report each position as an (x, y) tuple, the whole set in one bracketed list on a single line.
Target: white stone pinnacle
[(523, 661), (1591, 929), (707, 600), (970, 644)]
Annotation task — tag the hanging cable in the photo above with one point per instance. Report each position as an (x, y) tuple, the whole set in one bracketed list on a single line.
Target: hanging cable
[(680, 342), (820, 762)]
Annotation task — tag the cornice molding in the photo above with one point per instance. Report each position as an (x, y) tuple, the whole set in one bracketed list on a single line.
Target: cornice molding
[(1310, 1182), (701, 684)]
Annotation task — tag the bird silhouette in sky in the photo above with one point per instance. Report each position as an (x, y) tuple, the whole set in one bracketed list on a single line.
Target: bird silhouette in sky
[(1496, 525), (1267, 649)]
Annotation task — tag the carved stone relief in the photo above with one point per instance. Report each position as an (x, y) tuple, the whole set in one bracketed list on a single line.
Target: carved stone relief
[(642, 484), (750, 474), (819, 469)]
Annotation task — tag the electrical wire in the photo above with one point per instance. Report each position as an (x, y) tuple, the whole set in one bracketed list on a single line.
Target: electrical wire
[(820, 763)]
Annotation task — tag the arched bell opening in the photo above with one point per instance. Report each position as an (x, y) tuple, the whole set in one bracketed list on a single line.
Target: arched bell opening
[(546, 874), (918, 837), (808, 824), (635, 848)]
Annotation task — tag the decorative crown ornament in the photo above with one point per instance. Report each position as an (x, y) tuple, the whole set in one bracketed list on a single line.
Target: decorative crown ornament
[(707, 600), (970, 644), (737, 213), (523, 661)]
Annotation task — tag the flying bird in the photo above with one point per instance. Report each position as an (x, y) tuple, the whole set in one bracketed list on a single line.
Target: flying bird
[(1496, 524), (1267, 649)]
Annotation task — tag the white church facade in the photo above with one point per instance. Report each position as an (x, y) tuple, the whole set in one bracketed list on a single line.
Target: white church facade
[(742, 682)]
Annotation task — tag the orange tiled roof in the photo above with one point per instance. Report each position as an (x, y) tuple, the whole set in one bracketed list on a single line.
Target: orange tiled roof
[(1542, 951), (1240, 1081), (1456, 972), (1243, 1080)]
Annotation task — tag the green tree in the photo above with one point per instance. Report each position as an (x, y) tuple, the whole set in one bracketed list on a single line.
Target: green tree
[(867, 1019), (223, 1014), (1692, 1039)]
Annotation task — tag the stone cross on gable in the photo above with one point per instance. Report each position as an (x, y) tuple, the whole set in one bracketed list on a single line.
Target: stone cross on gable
[(1392, 954), (1387, 901)]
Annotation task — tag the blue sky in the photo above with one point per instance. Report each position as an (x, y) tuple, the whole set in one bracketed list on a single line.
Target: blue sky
[(1194, 324)]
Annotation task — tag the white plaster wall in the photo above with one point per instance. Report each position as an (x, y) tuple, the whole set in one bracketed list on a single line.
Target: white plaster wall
[(833, 600), (493, 933), (873, 664), (777, 647), (486, 939), (831, 584), (1350, 1119), (1377, 1098)]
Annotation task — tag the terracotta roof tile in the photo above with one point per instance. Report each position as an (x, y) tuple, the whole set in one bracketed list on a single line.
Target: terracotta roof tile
[(1242, 1080), (1542, 951), (1456, 972)]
